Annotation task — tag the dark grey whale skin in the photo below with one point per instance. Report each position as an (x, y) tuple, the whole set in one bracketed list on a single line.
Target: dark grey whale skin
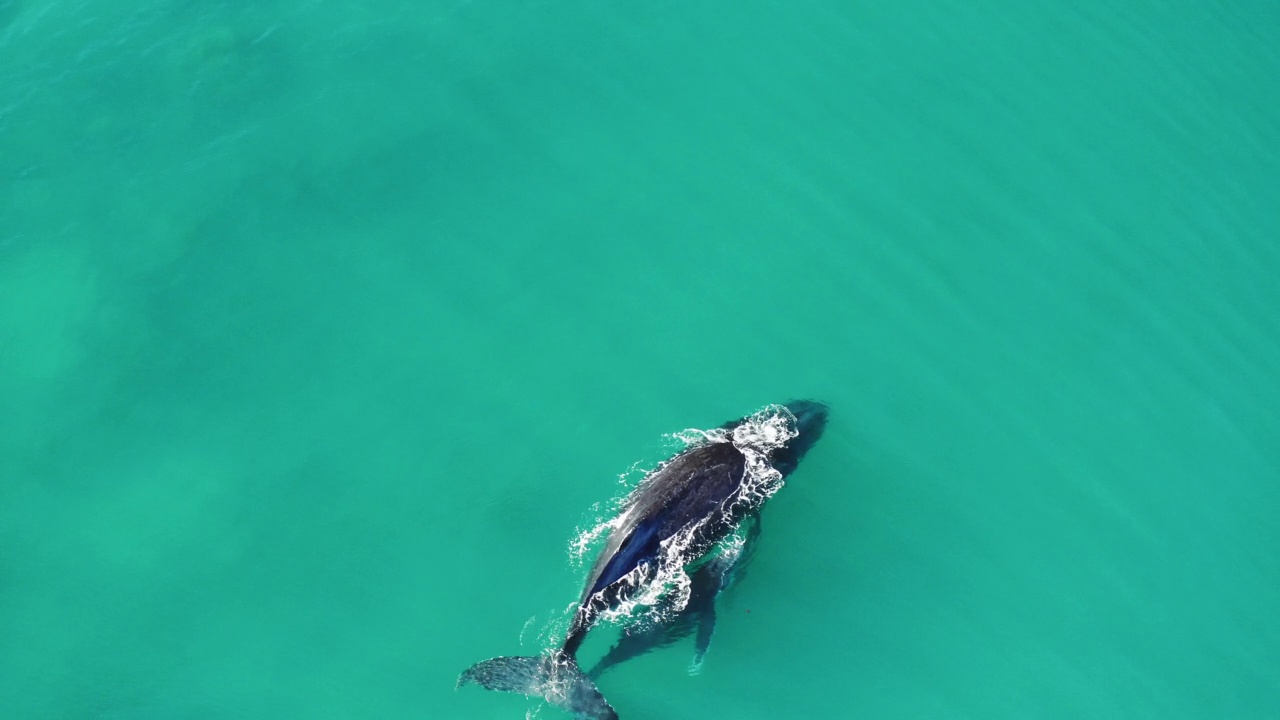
[(696, 486)]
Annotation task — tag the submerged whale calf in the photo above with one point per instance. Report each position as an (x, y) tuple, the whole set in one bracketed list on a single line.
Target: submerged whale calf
[(674, 516), (706, 583)]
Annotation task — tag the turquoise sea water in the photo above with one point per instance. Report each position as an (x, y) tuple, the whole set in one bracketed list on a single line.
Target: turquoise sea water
[(323, 326)]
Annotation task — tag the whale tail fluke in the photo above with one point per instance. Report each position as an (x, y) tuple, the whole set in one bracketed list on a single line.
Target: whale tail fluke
[(555, 678)]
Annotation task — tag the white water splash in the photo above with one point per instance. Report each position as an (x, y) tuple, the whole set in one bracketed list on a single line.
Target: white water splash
[(730, 548), (586, 539), (532, 619), (757, 438), (608, 515)]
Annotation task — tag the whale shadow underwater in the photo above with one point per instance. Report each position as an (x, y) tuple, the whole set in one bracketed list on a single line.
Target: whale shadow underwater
[(678, 517)]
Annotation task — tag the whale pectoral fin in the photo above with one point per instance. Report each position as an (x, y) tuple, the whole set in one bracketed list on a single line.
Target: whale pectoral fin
[(752, 523), (725, 569), (706, 628)]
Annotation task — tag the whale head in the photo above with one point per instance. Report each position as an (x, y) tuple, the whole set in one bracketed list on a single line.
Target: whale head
[(811, 420)]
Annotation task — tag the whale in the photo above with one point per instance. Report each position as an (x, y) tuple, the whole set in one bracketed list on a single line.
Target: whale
[(674, 519)]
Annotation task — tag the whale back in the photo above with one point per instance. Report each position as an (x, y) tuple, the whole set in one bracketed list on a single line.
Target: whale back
[(693, 487)]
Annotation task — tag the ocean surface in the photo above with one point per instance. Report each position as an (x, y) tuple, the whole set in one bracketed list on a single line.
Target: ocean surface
[(326, 327)]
